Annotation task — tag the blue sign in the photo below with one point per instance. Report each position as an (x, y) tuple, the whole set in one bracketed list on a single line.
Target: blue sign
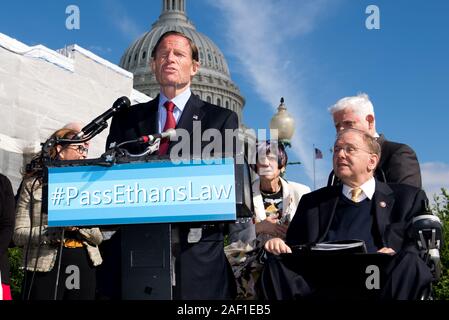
[(150, 192)]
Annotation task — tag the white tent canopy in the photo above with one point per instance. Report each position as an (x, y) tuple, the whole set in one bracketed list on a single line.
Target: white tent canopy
[(41, 90)]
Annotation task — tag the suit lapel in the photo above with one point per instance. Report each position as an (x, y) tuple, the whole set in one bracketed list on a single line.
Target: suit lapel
[(383, 201), (327, 212), (148, 123), (192, 112)]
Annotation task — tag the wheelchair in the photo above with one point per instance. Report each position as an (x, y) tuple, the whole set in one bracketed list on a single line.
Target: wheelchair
[(427, 230)]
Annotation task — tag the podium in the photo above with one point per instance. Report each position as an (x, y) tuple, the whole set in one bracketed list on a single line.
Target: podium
[(144, 198)]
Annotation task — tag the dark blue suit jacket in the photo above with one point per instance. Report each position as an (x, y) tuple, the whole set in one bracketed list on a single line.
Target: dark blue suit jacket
[(394, 207), (399, 163), (203, 271)]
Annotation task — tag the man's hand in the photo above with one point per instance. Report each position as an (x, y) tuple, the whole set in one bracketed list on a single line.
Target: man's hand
[(277, 246), (387, 251)]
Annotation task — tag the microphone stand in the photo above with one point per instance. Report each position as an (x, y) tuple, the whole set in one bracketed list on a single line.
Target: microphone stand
[(116, 153), (50, 143), (47, 161)]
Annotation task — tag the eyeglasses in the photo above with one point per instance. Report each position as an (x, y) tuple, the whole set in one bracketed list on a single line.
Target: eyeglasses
[(348, 149), (79, 148)]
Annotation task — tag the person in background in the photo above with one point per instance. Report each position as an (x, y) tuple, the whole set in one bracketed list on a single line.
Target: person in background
[(399, 163), (6, 231), (43, 245), (75, 126), (361, 208), (275, 201)]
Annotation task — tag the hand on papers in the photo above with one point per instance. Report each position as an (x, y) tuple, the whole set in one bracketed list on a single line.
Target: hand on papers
[(277, 246), (387, 251)]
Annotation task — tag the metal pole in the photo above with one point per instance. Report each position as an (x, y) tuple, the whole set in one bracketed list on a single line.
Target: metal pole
[(314, 159)]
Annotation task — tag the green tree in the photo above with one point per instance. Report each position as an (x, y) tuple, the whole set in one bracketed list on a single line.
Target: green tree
[(441, 209), (15, 259)]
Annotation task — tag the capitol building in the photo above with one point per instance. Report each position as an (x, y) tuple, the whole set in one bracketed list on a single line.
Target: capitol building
[(212, 83), (42, 89)]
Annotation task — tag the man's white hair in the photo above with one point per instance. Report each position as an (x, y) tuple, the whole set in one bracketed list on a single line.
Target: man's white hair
[(359, 104)]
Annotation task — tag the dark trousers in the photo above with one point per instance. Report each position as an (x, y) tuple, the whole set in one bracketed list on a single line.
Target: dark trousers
[(408, 277), (41, 285), (203, 272), (109, 273), (403, 277)]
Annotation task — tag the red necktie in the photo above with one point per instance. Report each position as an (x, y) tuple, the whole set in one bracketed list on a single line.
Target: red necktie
[(170, 123)]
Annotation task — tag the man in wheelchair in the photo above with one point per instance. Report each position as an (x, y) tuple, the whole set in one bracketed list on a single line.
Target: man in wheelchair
[(362, 208)]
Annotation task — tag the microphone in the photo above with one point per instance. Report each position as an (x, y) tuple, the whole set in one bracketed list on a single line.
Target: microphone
[(170, 133), (120, 103)]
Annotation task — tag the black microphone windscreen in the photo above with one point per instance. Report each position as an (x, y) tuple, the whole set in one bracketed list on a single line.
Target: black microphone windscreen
[(122, 102)]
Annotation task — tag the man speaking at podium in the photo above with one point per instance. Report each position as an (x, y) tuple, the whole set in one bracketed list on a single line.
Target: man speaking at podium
[(202, 270), (362, 208)]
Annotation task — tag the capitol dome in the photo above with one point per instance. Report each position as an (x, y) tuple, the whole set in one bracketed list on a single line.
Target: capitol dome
[(212, 83)]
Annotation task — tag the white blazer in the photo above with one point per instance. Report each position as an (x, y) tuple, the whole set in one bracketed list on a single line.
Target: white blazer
[(291, 194)]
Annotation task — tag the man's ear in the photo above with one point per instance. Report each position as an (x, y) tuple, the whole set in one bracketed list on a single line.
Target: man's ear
[(373, 161), (195, 68), (370, 119)]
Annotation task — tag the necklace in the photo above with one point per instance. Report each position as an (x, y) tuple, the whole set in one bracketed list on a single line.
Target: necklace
[(271, 193)]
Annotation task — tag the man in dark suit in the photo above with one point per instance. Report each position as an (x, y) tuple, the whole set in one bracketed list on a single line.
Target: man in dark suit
[(202, 270), (399, 163), (361, 208)]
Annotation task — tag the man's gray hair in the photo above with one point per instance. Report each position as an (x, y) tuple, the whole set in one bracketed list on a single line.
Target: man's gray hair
[(359, 104)]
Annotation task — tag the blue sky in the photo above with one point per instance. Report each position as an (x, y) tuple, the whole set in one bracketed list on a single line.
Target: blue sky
[(311, 52)]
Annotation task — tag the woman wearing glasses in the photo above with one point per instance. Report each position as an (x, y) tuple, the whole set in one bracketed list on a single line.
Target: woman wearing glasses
[(53, 258)]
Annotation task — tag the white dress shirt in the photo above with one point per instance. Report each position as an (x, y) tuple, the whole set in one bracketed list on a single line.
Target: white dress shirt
[(368, 189), (180, 101)]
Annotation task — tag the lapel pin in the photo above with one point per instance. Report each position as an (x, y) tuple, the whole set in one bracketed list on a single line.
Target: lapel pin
[(195, 117), (382, 204)]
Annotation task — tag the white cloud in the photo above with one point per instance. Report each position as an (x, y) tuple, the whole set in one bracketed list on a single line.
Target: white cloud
[(435, 175), (128, 27), (261, 34), (121, 20)]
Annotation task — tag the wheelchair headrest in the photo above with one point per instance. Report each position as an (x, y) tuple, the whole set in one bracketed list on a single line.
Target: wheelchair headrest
[(427, 221)]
